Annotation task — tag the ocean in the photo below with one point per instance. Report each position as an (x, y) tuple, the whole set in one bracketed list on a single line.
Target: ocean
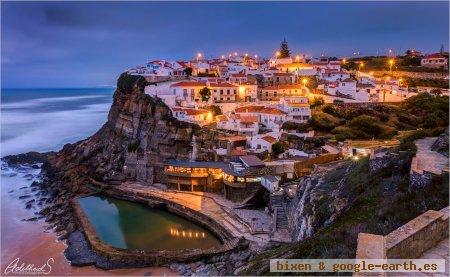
[(46, 119)]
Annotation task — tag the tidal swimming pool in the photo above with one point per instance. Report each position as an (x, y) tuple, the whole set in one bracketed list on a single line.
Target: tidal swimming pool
[(129, 225)]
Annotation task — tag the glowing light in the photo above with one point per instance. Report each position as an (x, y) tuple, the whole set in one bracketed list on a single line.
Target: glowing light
[(235, 53), (344, 60), (355, 158), (304, 81), (297, 58), (278, 53), (246, 54), (256, 56), (223, 57), (391, 62), (199, 55)]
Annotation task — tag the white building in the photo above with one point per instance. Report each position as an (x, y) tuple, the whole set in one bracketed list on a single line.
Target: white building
[(332, 75), (434, 60), (263, 143), (271, 118), (223, 92), (297, 108), (243, 124), (198, 116), (188, 91)]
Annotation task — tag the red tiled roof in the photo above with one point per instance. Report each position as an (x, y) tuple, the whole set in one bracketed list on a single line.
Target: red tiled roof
[(269, 139), (259, 109), (189, 84), (434, 56), (223, 85), (295, 86), (247, 118), (222, 118), (238, 152), (281, 74), (190, 111)]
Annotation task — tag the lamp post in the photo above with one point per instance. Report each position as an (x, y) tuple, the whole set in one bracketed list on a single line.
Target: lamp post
[(391, 63), (361, 65), (304, 81), (199, 56)]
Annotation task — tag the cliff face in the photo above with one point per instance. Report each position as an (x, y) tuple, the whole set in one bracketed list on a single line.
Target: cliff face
[(320, 199), (139, 134)]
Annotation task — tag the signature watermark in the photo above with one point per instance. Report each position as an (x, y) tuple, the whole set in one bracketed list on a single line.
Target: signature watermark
[(16, 267)]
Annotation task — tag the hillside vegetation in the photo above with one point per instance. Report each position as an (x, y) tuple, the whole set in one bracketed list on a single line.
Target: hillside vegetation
[(381, 121), (375, 200)]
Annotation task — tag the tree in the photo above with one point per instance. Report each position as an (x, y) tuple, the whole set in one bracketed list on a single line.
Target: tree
[(317, 102), (205, 93), (277, 149), (284, 50), (188, 71)]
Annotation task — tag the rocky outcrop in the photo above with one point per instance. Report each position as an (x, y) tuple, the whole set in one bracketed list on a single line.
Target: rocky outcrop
[(139, 135), (320, 199), (441, 144)]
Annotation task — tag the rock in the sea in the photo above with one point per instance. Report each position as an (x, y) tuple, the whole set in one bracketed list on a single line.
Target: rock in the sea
[(70, 227), (31, 219), (45, 211)]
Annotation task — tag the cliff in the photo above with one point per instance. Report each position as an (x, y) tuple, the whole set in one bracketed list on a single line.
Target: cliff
[(139, 135), (320, 199)]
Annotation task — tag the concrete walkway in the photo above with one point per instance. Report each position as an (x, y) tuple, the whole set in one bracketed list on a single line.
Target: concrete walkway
[(428, 160), (220, 210)]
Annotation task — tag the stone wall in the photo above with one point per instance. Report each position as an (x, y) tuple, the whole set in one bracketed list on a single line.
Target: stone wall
[(409, 241), (128, 258), (379, 162)]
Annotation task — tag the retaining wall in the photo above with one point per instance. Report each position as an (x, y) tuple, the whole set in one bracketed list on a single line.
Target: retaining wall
[(409, 241), (161, 257)]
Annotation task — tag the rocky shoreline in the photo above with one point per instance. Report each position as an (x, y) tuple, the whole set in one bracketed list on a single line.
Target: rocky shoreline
[(60, 215)]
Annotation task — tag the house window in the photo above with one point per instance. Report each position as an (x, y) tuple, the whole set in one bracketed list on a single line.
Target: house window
[(228, 91), (221, 92)]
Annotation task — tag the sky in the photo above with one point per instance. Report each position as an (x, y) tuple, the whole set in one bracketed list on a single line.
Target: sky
[(88, 44)]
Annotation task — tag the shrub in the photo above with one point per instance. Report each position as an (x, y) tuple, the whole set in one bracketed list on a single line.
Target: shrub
[(277, 149), (317, 102), (205, 93), (324, 122), (133, 146)]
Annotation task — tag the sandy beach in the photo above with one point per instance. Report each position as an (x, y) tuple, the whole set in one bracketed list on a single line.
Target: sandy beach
[(32, 244)]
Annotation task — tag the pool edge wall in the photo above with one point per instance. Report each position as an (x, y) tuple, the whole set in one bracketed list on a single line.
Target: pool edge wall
[(129, 258)]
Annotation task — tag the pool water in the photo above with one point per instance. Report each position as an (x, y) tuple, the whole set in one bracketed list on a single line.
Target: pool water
[(129, 225)]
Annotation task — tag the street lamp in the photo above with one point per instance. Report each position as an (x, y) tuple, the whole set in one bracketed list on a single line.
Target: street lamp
[(344, 61), (199, 56), (304, 81), (391, 63), (297, 58), (278, 54)]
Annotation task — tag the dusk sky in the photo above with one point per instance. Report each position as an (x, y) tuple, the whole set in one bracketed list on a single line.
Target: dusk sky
[(86, 44)]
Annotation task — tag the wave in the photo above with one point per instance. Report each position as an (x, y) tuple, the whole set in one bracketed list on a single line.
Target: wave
[(42, 101), (48, 131)]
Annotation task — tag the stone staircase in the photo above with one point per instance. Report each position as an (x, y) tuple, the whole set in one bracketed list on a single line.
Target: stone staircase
[(278, 206)]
